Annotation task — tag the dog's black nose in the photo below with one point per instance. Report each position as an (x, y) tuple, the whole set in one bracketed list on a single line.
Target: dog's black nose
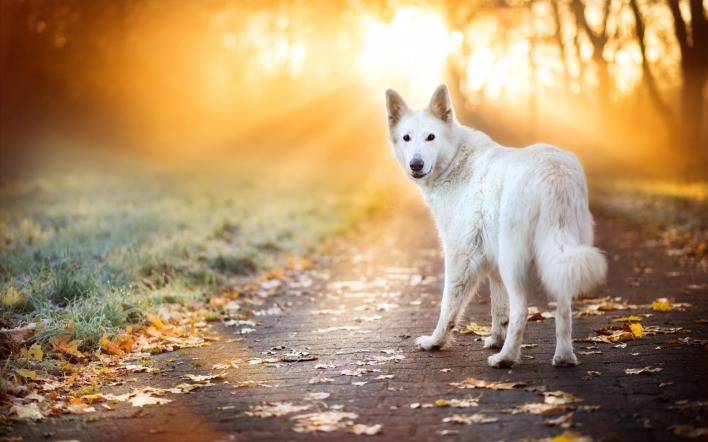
[(417, 164)]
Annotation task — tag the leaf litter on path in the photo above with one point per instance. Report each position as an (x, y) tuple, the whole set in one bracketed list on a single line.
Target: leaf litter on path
[(469, 419), (478, 383), (333, 420)]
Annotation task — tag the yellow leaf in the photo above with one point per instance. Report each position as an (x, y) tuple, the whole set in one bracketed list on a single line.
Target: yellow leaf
[(35, 352), (661, 305), (628, 319), (11, 297), (571, 436), (27, 373), (479, 330), (188, 387), (91, 398), (442, 403), (155, 321), (109, 347), (637, 330)]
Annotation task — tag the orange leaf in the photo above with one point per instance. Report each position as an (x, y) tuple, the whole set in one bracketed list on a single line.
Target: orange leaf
[(109, 347), (64, 344), (155, 321)]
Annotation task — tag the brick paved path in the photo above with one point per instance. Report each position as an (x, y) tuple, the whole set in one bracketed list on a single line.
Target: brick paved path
[(369, 299)]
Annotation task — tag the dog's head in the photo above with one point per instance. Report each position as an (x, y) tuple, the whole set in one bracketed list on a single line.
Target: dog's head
[(422, 139)]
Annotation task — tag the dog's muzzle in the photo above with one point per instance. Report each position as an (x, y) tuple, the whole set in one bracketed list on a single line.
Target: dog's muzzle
[(416, 166)]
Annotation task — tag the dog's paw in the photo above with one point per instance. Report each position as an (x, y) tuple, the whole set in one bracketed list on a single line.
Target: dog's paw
[(500, 361), (493, 342), (565, 360), (428, 343)]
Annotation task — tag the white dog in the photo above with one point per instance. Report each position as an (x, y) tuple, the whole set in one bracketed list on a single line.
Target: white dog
[(501, 212)]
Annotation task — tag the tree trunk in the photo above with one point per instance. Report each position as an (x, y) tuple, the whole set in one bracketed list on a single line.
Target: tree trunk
[(694, 64)]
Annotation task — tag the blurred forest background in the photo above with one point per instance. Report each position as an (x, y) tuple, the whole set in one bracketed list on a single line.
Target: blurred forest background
[(619, 82)]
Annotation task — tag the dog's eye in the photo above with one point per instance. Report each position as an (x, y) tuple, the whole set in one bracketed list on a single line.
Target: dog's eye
[(431, 137), (406, 137)]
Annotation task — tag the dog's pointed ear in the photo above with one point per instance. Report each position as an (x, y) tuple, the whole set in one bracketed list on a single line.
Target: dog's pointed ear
[(440, 104), (396, 107)]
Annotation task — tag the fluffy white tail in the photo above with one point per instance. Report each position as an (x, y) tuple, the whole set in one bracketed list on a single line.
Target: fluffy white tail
[(568, 269)]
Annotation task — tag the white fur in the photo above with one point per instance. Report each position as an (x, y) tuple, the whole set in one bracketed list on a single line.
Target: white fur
[(500, 212)]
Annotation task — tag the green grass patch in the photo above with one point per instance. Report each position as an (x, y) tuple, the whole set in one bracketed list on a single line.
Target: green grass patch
[(657, 204), (676, 213), (100, 241)]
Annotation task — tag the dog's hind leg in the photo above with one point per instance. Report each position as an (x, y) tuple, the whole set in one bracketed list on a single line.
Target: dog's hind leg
[(460, 284), (500, 313), (564, 356), (513, 269)]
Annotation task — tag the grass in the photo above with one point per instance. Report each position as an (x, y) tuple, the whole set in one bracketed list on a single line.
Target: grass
[(674, 212), (97, 242), (657, 204)]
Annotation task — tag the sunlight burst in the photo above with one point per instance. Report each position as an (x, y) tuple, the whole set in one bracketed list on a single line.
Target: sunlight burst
[(408, 53)]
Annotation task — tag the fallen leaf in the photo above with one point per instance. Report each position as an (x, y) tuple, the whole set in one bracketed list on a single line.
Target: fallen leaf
[(324, 366), (361, 429), (641, 370), (155, 321), (34, 352), (297, 357), (189, 387), (637, 330), (64, 344), (592, 374), (655, 329), (535, 408), (478, 383), (27, 412), (275, 409), (690, 431), (458, 403), (92, 398), (227, 364), (536, 317), (79, 408), (628, 319), (693, 406), (342, 327), (571, 436), (28, 374), (562, 421), (143, 400), (317, 396), (204, 378), (559, 397), (325, 421), (245, 384), (357, 371), (479, 330), (617, 333), (470, 419), (665, 305), (321, 380)]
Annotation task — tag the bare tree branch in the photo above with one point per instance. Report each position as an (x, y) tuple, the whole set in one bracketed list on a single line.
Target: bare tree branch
[(648, 76)]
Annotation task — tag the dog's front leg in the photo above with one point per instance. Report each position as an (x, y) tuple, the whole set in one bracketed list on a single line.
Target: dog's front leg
[(460, 283)]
